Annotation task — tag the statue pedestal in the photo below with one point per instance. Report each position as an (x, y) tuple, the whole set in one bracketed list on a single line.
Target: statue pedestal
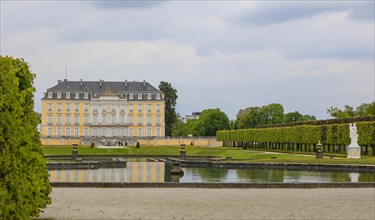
[(354, 151)]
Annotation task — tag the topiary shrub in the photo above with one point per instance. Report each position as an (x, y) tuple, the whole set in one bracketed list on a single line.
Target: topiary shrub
[(137, 145), (24, 184)]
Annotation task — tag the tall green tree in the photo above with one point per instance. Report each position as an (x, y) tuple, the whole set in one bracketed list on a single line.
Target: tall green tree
[(366, 109), (212, 120), (252, 116), (178, 126), (170, 98), (296, 117), (24, 185)]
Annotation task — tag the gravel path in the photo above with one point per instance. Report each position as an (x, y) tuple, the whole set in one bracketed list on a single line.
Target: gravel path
[(195, 203)]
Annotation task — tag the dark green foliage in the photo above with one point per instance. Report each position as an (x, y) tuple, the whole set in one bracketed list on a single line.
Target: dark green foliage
[(170, 98), (210, 121), (253, 116), (24, 185), (137, 145), (296, 117), (366, 109)]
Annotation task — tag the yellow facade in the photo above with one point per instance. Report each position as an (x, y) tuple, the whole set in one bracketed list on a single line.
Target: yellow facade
[(106, 112)]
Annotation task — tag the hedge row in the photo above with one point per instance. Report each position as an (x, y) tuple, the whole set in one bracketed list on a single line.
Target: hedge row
[(307, 134), (322, 122)]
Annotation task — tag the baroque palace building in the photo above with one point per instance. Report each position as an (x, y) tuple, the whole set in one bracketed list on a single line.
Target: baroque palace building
[(106, 113)]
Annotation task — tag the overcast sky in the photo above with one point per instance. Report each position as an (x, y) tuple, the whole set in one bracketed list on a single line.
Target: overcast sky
[(230, 55)]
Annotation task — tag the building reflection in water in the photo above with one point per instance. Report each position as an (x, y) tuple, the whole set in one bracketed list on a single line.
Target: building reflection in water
[(138, 172)]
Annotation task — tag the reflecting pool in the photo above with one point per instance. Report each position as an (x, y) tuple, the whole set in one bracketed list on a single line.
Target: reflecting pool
[(156, 172)]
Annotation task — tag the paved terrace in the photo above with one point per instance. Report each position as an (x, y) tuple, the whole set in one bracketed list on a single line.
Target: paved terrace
[(197, 203)]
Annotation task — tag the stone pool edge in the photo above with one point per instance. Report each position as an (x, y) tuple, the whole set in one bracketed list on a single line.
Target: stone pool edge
[(218, 185)]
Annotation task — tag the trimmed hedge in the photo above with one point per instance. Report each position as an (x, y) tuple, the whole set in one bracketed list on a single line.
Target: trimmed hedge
[(304, 134)]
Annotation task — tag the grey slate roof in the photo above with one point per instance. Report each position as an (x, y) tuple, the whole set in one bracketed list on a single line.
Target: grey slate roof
[(95, 89), (94, 86)]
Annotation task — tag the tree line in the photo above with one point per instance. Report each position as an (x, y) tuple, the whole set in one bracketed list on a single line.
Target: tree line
[(212, 120)]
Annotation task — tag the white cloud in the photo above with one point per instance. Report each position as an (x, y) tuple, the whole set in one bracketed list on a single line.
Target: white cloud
[(211, 55)]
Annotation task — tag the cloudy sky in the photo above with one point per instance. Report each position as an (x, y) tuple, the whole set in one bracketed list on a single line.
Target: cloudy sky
[(306, 55)]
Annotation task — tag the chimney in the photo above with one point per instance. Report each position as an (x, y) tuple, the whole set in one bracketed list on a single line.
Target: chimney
[(81, 82), (126, 83), (144, 83), (101, 83), (59, 81)]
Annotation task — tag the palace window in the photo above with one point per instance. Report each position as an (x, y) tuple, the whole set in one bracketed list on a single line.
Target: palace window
[(76, 95), (131, 96), (139, 107), (49, 131), (157, 132), (67, 119), (59, 107), (157, 96), (67, 95), (86, 107), (86, 132), (139, 96), (50, 95), (140, 132), (50, 107), (158, 119), (76, 132), (86, 119), (76, 107), (76, 119), (59, 95), (140, 119), (158, 108), (131, 108), (149, 108), (86, 95), (59, 119), (149, 132), (67, 132), (58, 131), (67, 107), (50, 119), (149, 96)]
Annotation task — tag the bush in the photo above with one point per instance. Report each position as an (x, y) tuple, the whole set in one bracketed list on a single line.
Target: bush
[(24, 185), (137, 145)]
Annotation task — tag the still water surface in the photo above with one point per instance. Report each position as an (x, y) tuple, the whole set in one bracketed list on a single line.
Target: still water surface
[(147, 172)]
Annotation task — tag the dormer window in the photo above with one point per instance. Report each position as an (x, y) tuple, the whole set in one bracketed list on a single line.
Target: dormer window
[(67, 95), (59, 95), (131, 96), (157, 96), (86, 95), (149, 96), (140, 96), (50, 95), (76, 95)]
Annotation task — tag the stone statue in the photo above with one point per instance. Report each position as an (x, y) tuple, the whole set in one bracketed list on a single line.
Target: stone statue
[(353, 150), (353, 133)]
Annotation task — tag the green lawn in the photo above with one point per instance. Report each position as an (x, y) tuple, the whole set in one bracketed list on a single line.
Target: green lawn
[(237, 154)]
